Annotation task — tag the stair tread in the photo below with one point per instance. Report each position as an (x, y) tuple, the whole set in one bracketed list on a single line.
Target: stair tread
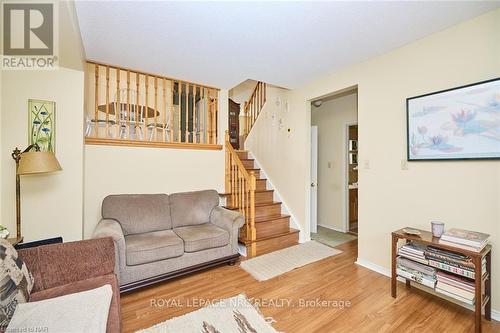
[(283, 234), (262, 204), (241, 151), (256, 191), (270, 218)]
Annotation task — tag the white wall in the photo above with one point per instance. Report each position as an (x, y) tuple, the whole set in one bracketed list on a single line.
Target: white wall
[(331, 118), (118, 170), (51, 204), (463, 194)]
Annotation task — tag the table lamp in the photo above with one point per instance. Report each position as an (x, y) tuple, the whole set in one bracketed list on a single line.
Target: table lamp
[(30, 162)]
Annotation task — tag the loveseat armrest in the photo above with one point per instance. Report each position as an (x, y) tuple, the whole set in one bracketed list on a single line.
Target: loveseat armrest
[(61, 264), (111, 228), (230, 221)]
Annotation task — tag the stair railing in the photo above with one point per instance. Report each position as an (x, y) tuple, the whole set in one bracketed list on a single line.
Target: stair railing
[(254, 105), (240, 188)]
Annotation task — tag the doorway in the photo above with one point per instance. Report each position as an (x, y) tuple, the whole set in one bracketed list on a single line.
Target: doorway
[(334, 158)]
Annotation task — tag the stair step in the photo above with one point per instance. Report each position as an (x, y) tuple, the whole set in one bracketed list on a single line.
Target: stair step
[(264, 196), (273, 243), (247, 163), (270, 228), (272, 218), (261, 184), (255, 171), (242, 154), (264, 210)]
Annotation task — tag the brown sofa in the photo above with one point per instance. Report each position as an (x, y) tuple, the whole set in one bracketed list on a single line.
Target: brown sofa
[(68, 268), (160, 236)]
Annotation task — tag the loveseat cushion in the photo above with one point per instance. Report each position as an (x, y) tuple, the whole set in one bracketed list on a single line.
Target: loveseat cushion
[(202, 237), (152, 246), (138, 213), (192, 208)]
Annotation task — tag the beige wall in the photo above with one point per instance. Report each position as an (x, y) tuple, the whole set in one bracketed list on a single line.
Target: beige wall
[(51, 204), (116, 170), (331, 118), (269, 141), (464, 194)]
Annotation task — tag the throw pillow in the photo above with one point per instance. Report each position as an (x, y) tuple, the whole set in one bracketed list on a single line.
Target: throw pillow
[(83, 312), (16, 282)]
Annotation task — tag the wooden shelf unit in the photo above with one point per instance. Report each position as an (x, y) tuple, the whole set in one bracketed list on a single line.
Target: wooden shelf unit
[(426, 238)]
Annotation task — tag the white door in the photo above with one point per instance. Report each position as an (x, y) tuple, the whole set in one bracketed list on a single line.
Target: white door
[(314, 179)]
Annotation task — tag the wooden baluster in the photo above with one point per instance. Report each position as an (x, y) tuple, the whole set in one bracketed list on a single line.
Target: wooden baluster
[(202, 116), (216, 117), (118, 107), (171, 120), (164, 82), (107, 102), (96, 100), (265, 92), (136, 111), (186, 123), (253, 233), (226, 170), (145, 109), (194, 115), (128, 104), (179, 129), (233, 179), (155, 133)]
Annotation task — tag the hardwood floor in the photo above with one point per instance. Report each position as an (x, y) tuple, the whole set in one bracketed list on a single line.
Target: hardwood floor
[(338, 278)]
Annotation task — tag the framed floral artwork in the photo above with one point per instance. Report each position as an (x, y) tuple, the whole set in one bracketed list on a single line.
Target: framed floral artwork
[(455, 124), (42, 124)]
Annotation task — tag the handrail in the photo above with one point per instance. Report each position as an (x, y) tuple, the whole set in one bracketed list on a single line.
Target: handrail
[(254, 105), (240, 185)]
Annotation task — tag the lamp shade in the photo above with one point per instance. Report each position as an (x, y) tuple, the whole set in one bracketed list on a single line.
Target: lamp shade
[(33, 162)]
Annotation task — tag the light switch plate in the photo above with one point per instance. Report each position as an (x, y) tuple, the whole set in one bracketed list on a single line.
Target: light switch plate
[(404, 164), (366, 164)]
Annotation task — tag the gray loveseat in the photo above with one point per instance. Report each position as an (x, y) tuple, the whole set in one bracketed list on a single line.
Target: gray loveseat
[(160, 236)]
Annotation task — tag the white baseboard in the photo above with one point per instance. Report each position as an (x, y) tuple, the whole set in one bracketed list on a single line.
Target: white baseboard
[(332, 228), (495, 314)]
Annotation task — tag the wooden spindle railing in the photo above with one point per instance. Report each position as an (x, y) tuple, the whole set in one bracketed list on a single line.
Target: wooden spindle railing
[(240, 188), (254, 105), (128, 107)]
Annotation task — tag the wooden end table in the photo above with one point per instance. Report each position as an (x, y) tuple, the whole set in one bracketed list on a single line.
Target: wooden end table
[(426, 238)]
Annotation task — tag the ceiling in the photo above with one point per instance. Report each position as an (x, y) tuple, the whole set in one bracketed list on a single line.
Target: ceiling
[(282, 43)]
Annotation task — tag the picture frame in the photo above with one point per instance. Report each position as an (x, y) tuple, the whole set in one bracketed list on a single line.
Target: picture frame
[(461, 123), (42, 124)]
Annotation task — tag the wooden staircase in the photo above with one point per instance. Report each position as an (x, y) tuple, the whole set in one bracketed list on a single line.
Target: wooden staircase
[(266, 229), (272, 228)]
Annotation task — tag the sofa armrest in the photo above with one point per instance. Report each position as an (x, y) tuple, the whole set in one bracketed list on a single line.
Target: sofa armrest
[(230, 221), (111, 228), (65, 263)]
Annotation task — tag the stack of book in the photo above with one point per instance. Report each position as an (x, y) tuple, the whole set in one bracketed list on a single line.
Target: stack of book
[(414, 251), (450, 261), (458, 288), (417, 272), (464, 239)]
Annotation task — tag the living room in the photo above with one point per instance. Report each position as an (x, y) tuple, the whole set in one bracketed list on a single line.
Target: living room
[(238, 186)]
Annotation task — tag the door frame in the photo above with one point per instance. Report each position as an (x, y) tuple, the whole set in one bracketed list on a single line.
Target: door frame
[(346, 172), (314, 208)]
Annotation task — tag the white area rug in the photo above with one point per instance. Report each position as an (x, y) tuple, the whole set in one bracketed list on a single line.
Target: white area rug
[(231, 315), (270, 265)]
